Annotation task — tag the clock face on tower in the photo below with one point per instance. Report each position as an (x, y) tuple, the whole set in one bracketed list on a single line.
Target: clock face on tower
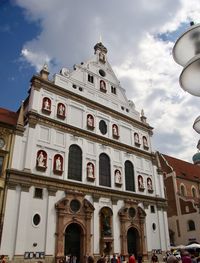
[(2, 143)]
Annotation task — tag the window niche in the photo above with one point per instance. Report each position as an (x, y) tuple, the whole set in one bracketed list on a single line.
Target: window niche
[(103, 86), (58, 164), (90, 122), (46, 105), (61, 111), (137, 139), (90, 172), (118, 177), (115, 131), (140, 183), (149, 185), (105, 222), (41, 160), (145, 143)]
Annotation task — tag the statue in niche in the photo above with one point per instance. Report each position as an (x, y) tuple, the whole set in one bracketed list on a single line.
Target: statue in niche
[(58, 164), (90, 121), (41, 160), (106, 225), (140, 182), (46, 104), (136, 138), (149, 184), (145, 143), (115, 130), (61, 110), (90, 170), (118, 177), (102, 85)]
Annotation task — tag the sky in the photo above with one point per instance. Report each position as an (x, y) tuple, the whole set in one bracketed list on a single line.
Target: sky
[(139, 36)]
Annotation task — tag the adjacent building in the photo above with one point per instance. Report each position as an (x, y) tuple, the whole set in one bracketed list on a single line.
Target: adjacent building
[(84, 178), (10, 124), (182, 187)]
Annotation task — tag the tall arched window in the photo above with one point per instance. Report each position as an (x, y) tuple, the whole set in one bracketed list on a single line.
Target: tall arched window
[(191, 225), (182, 190), (129, 176), (194, 192), (104, 170), (75, 163)]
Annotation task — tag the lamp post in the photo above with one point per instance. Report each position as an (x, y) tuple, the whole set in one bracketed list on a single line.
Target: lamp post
[(186, 52)]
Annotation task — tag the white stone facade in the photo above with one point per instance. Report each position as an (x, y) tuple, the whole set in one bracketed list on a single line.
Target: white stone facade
[(53, 133)]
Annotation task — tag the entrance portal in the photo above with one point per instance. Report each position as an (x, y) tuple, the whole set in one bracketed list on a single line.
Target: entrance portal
[(133, 241), (73, 241)]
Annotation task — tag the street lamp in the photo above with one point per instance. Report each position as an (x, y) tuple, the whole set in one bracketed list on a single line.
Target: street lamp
[(186, 52), (196, 125)]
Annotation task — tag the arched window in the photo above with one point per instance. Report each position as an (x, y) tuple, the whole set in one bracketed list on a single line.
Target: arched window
[(191, 225), (104, 170), (129, 176), (75, 163), (182, 190), (194, 192)]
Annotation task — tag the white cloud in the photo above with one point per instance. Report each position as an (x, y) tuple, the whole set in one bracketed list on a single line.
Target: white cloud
[(142, 61), (35, 59)]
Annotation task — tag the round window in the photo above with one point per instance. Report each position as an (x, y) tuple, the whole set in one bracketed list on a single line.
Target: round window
[(154, 226), (75, 205), (102, 127), (131, 212), (102, 72), (36, 219)]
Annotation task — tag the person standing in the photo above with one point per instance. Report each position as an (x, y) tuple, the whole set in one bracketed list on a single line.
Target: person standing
[(139, 258), (132, 259), (3, 259), (114, 259), (186, 257), (154, 258), (172, 259)]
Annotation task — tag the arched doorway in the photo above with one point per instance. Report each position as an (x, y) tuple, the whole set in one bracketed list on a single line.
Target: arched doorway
[(133, 241), (73, 241)]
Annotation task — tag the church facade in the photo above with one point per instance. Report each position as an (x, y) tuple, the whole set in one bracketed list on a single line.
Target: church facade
[(83, 179)]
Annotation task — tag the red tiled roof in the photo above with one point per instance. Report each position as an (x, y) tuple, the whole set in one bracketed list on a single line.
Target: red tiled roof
[(184, 169), (8, 117)]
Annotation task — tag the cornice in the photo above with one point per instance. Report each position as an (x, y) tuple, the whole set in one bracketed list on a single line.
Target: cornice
[(38, 82), (35, 118), (17, 177)]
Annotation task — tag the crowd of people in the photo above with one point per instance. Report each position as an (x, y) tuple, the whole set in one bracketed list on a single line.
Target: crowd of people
[(184, 257)]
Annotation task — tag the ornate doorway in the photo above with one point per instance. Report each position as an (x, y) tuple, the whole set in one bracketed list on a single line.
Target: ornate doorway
[(73, 229), (132, 229), (73, 240), (133, 241)]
